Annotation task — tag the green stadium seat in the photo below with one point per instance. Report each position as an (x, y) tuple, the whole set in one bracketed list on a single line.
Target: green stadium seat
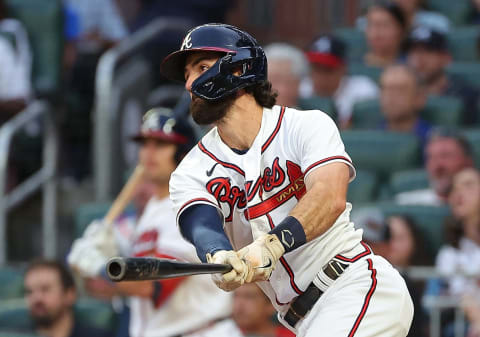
[(439, 110), (363, 188), (381, 151), (355, 41), (462, 43), (473, 136), (367, 114), (86, 213), (325, 104), (9, 333), (11, 280), (430, 220), (43, 21), (89, 311), (95, 313), (457, 11), (408, 180), (443, 110), (362, 69), (468, 71)]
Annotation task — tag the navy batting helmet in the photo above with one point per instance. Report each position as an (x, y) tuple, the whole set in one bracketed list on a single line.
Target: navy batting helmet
[(160, 124), (241, 52)]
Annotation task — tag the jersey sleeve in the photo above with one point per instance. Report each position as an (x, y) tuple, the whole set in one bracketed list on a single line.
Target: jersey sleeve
[(187, 188), (317, 142)]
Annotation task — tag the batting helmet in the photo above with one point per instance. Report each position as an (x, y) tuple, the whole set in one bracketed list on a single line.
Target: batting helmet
[(241, 52), (160, 124)]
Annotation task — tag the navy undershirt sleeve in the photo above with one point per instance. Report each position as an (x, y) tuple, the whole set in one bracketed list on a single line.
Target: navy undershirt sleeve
[(202, 225)]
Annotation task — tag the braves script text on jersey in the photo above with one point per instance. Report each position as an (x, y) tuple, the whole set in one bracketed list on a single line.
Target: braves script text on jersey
[(256, 190)]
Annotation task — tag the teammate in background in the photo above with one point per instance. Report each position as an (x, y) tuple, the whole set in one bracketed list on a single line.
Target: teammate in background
[(329, 77), (286, 69), (265, 191), (446, 153), (50, 295), (173, 306)]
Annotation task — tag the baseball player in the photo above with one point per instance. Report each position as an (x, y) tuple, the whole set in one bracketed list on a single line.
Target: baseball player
[(174, 306), (265, 191)]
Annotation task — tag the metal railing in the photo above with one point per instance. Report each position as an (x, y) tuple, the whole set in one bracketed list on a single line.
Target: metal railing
[(107, 102), (44, 178)]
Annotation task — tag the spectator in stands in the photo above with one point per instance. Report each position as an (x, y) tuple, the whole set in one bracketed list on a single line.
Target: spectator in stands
[(50, 294), (375, 229), (15, 85), (417, 16), (287, 67), (402, 98), (428, 54), (329, 77), (385, 33), (459, 259), (475, 16), (407, 248), (446, 153)]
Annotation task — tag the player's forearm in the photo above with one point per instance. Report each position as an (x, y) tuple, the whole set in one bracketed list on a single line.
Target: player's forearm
[(324, 201)]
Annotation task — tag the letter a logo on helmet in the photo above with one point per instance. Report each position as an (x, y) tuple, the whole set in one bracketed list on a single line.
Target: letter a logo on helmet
[(238, 50)]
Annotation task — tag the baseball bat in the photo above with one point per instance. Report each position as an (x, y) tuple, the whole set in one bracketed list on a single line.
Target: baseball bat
[(151, 268), (125, 195)]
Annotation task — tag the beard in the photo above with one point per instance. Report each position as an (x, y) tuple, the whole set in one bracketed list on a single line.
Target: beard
[(208, 112), (45, 319)]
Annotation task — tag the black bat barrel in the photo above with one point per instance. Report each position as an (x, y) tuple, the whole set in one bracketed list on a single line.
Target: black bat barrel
[(150, 268)]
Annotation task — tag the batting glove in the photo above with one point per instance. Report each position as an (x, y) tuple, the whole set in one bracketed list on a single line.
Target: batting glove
[(234, 278), (262, 256)]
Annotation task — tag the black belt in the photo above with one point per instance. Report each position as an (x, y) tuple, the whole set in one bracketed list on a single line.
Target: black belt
[(304, 302)]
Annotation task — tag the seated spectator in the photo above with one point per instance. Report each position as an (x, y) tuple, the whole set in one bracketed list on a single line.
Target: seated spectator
[(407, 248), (428, 54), (329, 77), (475, 16), (385, 33), (402, 98), (459, 259), (375, 229), (420, 17), (417, 16), (287, 66), (446, 153), (15, 84), (50, 294)]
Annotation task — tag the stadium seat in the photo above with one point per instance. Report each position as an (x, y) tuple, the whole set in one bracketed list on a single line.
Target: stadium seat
[(46, 43), (86, 213), (439, 110), (408, 180), (430, 220), (443, 110), (362, 69), (457, 11), (382, 152), (473, 136), (325, 104), (95, 313), (9, 333), (468, 71), (11, 280), (462, 42), (355, 41), (363, 188), (367, 114)]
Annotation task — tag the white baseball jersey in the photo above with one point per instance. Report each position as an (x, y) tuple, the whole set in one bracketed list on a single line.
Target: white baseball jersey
[(255, 191), (195, 302)]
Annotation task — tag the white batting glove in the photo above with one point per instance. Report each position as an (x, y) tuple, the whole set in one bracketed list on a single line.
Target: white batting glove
[(262, 256), (234, 278)]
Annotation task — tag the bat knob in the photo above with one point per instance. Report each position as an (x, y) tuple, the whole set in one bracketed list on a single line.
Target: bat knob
[(116, 269)]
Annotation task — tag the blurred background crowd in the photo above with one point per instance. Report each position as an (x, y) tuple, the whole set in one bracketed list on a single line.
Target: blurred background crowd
[(401, 78)]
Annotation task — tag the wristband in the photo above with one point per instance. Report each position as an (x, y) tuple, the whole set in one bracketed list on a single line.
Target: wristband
[(290, 233)]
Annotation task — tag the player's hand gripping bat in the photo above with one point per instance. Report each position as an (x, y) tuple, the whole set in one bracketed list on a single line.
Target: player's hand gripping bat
[(151, 268)]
